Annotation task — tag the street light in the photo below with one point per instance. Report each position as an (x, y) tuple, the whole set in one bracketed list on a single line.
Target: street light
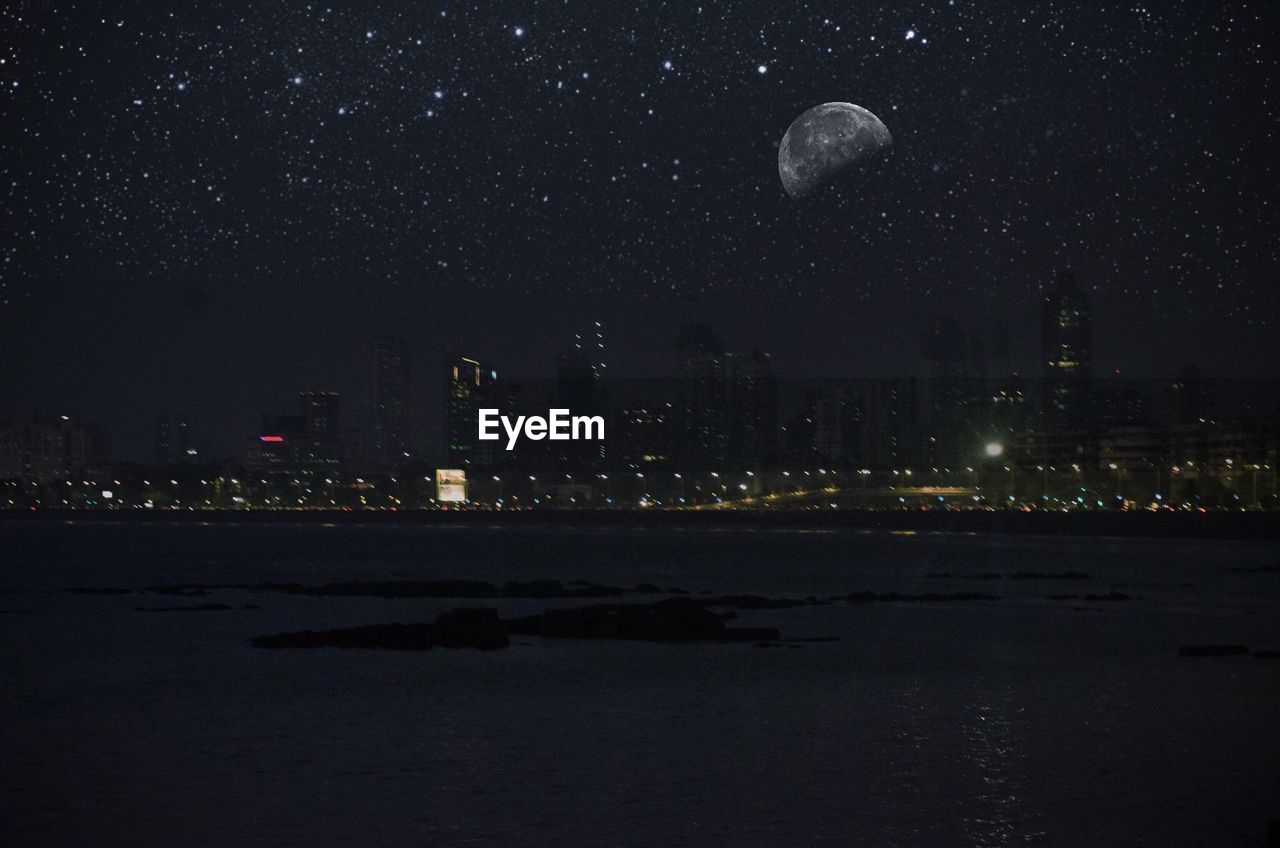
[(994, 449)]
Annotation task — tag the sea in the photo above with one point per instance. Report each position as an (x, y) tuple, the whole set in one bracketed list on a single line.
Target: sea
[(1017, 721)]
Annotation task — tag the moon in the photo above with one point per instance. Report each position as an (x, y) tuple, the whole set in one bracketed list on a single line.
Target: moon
[(826, 141)]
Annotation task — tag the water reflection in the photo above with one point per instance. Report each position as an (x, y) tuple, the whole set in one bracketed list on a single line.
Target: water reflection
[(993, 731)]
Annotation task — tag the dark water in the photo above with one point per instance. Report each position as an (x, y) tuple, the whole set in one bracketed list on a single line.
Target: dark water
[(1019, 721)]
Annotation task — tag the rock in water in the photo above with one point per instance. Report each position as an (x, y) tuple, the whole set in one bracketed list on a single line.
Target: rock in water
[(470, 628)]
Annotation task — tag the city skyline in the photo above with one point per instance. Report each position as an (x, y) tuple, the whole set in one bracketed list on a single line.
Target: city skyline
[(230, 399), (965, 413)]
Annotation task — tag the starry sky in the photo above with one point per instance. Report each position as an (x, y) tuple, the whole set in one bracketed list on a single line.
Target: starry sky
[(209, 207)]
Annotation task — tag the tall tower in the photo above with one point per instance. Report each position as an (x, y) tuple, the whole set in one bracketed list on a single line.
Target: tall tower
[(390, 408), (701, 415), (468, 385), (581, 388), (321, 448), (173, 440), (321, 413), (752, 396), (1066, 353)]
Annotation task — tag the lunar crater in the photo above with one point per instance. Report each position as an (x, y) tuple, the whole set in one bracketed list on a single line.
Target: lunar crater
[(826, 141)]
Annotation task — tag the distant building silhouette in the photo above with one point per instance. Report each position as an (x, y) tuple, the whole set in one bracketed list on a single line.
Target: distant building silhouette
[(50, 448), (889, 429), (836, 418), (390, 402), (321, 413), (581, 388), (1189, 399), (701, 414), (963, 370), (643, 438), (752, 395), (308, 444), (1066, 353), (173, 440), (469, 385)]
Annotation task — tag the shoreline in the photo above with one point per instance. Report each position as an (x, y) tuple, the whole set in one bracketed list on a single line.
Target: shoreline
[(1243, 526)]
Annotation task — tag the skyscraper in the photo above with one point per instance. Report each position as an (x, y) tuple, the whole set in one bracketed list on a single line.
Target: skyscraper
[(753, 408), (321, 413), (390, 408), (1066, 348), (173, 440), (580, 388), (700, 407), (469, 385), (305, 445), (889, 429), (322, 449), (961, 389)]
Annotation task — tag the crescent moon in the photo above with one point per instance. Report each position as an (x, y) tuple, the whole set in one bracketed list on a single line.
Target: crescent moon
[(826, 141)]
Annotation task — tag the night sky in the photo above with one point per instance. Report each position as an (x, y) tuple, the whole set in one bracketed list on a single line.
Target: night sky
[(208, 208)]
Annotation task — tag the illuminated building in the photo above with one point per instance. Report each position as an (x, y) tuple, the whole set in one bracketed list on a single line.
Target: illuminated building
[(469, 385), (48, 448), (451, 485), (1066, 347), (644, 437), (321, 413), (825, 429), (305, 445), (173, 441), (581, 388), (889, 428)]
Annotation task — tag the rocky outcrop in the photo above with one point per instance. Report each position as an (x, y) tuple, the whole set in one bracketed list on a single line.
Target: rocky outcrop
[(470, 628), (192, 608), (757, 602), (1017, 575), (671, 620), (1039, 575), (460, 628), (1213, 651), (393, 637), (931, 597)]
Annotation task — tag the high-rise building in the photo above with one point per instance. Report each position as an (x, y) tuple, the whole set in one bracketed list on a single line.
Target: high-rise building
[(173, 440), (581, 388), (753, 409), (961, 387), (390, 402), (701, 414), (308, 444), (643, 437), (469, 385), (321, 413), (889, 426), (1189, 397), (40, 448), (1066, 348)]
